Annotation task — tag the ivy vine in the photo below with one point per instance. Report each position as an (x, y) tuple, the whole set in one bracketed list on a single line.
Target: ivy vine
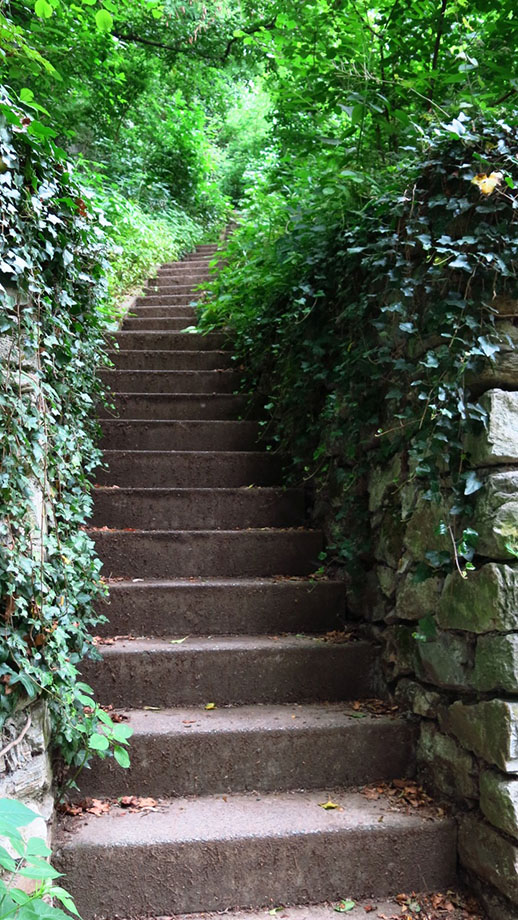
[(52, 323), (362, 334)]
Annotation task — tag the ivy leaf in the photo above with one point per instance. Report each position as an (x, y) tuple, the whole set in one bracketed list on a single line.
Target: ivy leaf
[(472, 483)]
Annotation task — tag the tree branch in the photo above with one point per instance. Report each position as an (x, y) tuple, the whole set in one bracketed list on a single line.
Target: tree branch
[(192, 48)]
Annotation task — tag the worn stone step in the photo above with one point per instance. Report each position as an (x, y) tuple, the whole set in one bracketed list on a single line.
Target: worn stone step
[(193, 508), (163, 360), (222, 606), (170, 381), (191, 751), (162, 323), (176, 311), (161, 286), (181, 553), (188, 265), (164, 299), (217, 853), (186, 275), (363, 907), (231, 670), (172, 406), (190, 468), (134, 434), (169, 341)]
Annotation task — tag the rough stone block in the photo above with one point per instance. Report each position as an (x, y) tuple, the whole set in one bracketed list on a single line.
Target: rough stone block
[(418, 599), (383, 481), (421, 534), (421, 700), (499, 801), (490, 855), (502, 373), (496, 663), (485, 601), (386, 579), (388, 547), (445, 661), (489, 729), (499, 443), (399, 653), (496, 516), (447, 766)]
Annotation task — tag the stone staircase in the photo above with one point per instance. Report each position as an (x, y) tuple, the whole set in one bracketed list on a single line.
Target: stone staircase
[(209, 562)]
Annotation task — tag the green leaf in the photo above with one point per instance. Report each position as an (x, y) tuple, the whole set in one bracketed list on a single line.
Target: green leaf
[(26, 94), (345, 906), (43, 9), (472, 483), (121, 756), (98, 742), (39, 869), (37, 847), (16, 814), (104, 21)]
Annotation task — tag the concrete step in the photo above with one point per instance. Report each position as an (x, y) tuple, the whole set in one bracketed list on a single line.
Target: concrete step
[(159, 286), (187, 435), (177, 311), (170, 381), (231, 670), (182, 553), (169, 341), (390, 908), (202, 508), (182, 298), (162, 323), (216, 853), (172, 406), (186, 275), (178, 469), (268, 748), (222, 606), (188, 265), (163, 360)]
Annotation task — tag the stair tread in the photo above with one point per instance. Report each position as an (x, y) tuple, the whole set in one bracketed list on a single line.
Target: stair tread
[(212, 644), (246, 815), (365, 907), (197, 581), (251, 718)]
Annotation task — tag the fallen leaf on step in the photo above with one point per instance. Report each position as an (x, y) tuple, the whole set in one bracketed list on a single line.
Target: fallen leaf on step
[(153, 708), (210, 706), (98, 808), (369, 908), (344, 906), (178, 641), (329, 805)]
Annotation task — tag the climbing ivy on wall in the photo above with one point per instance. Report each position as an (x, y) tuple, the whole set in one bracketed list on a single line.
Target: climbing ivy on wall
[(360, 321), (51, 343)]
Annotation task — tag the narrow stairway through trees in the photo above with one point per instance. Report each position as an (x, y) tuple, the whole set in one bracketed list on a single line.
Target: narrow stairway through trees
[(241, 710)]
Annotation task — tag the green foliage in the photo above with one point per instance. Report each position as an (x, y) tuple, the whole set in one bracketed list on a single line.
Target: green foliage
[(52, 291), (28, 859), (360, 325)]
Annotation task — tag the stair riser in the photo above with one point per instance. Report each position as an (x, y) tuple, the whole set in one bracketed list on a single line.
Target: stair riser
[(164, 406), (181, 677), (169, 341), (185, 276), (177, 311), (172, 470), (171, 360), (197, 763), (222, 609), (164, 299), (258, 872), (191, 435), (186, 554), (132, 381), (190, 264), (191, 509), (161, 323)]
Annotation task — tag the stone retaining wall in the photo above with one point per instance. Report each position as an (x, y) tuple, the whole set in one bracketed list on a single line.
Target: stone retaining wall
[(462, 680), (25, 771)]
